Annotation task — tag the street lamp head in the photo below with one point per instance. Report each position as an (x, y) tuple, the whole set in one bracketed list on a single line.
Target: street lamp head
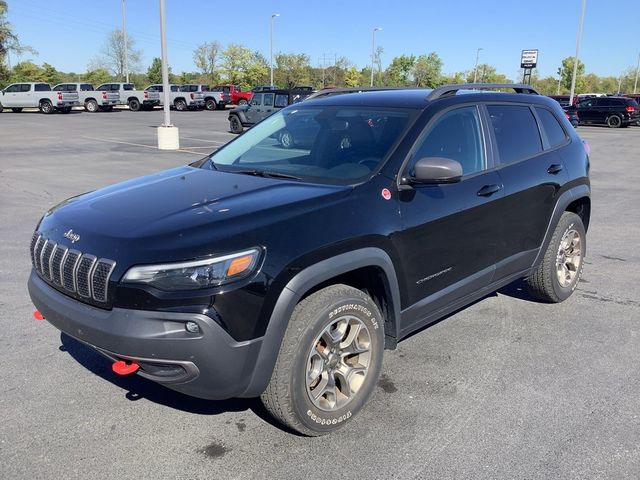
[(273, 15), (377, 29)]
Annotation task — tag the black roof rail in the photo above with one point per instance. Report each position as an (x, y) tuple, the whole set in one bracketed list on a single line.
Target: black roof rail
[(448, 90), (330, 91)]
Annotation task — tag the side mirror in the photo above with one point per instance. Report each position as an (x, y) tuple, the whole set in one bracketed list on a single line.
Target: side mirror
[(436, 170)]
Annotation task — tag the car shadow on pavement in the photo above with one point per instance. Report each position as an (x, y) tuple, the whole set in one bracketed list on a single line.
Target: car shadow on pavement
[(518, 290), (138, 387)]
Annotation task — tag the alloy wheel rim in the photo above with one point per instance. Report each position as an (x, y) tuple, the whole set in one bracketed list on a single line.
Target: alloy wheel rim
[(569, 258), (338, 363)]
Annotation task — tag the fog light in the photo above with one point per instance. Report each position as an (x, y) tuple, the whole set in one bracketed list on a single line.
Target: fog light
[(192, 327)]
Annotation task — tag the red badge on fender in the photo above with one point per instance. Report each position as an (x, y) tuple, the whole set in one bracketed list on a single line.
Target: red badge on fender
[(386, 194)]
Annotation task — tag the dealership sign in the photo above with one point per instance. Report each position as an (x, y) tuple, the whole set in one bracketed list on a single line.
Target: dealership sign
[(529, 59)]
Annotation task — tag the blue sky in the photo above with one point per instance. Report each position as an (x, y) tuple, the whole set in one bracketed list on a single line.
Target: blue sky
[(68, 34)]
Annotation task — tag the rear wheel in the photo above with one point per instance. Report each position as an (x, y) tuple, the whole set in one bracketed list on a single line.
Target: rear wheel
[(235, 125), (91, 106), (134, 105), (180, 105), (614, 121), (210, 104), (558, 274), (46, 107), (329, 361), (16, 110)]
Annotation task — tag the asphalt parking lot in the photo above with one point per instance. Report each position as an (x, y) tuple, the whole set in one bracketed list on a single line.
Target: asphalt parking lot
[(506, 388)]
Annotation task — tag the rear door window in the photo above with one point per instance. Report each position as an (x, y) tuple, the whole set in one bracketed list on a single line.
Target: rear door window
[(268, 100), (552, 128), (86, 87), (516, 132), (25, 87), (42, 87), (128, 86), (282, 100)]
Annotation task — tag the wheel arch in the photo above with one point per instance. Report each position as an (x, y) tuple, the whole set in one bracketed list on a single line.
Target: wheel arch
[(368, 268)]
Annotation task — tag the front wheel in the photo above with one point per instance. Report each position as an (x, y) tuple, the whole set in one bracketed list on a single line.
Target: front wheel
[(558, 274), (134, 105), (235, 125), (329, 361)]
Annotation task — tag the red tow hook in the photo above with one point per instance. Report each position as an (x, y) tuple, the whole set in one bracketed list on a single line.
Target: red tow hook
[(37, 315), (123, 368)]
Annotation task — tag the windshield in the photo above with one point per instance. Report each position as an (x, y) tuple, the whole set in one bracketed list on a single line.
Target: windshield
[(336, 144)]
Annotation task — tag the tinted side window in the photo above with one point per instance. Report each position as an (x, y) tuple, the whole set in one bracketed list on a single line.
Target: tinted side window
[(25, 87), (86, 87), (128, 86), (257, 99), (204, 88), (456, 135), (60, 88), (281, 100), (516, 132), (42, 87), (553, 129), (12, 88), (268, 100)]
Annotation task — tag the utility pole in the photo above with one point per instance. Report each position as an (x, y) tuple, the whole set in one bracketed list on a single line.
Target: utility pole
[(559, 80), (635, 85), (168, 138), (576, 60), (125, 53), (273, 15), (373, 50), (475, 70)]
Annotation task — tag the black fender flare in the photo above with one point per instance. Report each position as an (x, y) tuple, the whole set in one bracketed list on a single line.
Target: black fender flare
[(564, 200), (301, 284), (240, 114)]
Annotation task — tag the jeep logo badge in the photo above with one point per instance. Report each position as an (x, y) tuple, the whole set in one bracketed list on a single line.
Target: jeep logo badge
[(74, 237)]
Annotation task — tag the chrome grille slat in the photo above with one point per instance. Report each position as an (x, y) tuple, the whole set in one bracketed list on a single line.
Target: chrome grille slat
[(81, 273)]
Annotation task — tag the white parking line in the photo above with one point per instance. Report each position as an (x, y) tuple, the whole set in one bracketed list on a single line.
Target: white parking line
[(108, 140)]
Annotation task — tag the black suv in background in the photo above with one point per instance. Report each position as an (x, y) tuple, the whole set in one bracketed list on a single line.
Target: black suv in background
[(285, 273), (612, 111)]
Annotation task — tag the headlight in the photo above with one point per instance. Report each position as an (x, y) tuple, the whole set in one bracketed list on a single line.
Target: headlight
[(196, 274)]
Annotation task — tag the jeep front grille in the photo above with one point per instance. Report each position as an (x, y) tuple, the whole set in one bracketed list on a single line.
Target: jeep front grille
[(77, 272)]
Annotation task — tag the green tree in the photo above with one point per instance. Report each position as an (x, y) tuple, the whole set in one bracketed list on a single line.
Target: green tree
[(236, 59), (112, 56), (9, 42), (488, 74), (292, 69), (257, 72), (97, 76), (567, 73), (399, 72), (352, 77), (427, 70), (206, 57), (50, 74), (154, 72), (27, 71)]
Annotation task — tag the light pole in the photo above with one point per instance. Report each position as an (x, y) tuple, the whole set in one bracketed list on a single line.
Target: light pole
[(273, 15), (373, 49), (559, 80), (167, 134), (475, 70), (635, 85), (575, 60), (125, 52)]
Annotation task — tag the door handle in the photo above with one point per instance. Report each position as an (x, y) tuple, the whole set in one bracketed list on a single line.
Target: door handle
[(489, 190), (555, 168)]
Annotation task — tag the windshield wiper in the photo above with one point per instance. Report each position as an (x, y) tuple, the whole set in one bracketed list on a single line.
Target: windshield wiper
[(265, 173)]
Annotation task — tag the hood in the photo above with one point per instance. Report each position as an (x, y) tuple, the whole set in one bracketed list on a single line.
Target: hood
[(184, 212)]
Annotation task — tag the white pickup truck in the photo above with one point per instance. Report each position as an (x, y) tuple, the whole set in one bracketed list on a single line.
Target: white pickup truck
[(32, 94), (91, 99), (212, 100), (179, 100), (135, 99)]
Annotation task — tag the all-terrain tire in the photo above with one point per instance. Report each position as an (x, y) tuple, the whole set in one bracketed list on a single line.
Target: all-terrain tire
[(288, 396), (545, 283), (134, 105)]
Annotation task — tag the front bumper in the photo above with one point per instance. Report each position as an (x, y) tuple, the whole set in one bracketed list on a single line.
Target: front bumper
[(209, 364)]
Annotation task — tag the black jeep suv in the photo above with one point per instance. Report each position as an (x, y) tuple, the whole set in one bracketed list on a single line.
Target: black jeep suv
[(612, 111), (285, 272)]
